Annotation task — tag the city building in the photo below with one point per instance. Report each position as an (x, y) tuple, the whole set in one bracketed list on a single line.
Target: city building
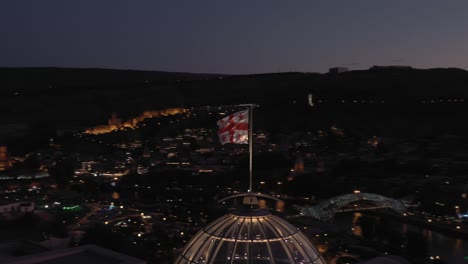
[(299, 165), (146, 152), (4, 159), (12, 249), (14, 210), (336, 70)]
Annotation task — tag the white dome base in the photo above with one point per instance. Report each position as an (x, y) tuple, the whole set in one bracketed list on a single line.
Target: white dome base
[(250, 236)]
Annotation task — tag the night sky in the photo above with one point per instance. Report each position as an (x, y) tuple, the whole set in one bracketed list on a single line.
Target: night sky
[(244, 36)]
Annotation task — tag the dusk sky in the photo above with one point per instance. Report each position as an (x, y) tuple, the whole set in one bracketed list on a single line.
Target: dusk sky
[(245, 36)]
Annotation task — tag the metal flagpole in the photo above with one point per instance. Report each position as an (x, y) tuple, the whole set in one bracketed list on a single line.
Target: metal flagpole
[(249, 198), (250, 145)]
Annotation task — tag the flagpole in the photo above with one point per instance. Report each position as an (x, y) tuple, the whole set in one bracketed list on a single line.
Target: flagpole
[(250, 146)]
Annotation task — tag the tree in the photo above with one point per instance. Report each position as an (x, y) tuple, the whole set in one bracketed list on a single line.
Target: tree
[(62, 172), (104, 237)]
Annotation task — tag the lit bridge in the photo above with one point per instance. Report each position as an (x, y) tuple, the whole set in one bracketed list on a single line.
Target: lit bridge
[(325, 210)]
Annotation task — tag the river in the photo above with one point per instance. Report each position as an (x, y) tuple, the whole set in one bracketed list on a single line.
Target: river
[(450, 249)]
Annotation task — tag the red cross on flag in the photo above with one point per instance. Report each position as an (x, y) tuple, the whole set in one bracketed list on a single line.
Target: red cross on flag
[(234, 128)]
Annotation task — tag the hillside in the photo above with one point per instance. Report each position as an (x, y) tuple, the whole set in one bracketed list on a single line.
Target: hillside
[(27, 79), (379, 98)]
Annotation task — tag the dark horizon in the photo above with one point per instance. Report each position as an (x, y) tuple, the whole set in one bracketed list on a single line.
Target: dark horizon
[(231, 74)]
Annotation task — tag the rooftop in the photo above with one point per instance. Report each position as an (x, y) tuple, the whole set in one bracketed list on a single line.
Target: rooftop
[(89, 254)]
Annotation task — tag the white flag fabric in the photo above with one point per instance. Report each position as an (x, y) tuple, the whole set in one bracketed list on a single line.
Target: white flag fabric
[(234, 128)]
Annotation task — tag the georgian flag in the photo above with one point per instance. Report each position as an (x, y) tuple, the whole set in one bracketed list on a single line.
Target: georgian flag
[(234, 128)]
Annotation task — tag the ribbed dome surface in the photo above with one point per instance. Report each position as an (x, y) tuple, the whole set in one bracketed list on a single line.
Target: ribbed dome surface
[(249, 237)]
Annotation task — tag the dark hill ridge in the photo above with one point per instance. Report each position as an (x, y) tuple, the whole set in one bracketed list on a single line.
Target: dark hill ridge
[(88, 96), (50, 77), (36, 101), (393, 85), (378, 81)]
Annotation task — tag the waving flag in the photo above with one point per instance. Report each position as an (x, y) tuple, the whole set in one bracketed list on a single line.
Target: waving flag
[(234, 128)]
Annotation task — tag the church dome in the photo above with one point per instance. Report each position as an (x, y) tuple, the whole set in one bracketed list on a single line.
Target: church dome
[(249, 236)]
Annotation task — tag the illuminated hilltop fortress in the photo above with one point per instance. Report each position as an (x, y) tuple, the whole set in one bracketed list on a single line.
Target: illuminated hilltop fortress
[(115, 123)]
